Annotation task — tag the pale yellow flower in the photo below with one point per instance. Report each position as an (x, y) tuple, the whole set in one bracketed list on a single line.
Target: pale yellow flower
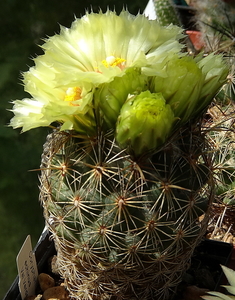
[(99, 47), (70, 106), (95, 50)]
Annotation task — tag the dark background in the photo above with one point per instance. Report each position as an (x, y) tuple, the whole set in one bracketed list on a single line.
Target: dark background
[(23, 25)]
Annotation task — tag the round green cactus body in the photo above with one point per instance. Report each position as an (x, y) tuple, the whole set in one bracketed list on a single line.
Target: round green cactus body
[(114, 217)]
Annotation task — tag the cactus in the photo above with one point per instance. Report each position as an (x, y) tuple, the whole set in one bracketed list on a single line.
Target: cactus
[(122, 227), (221, 135), (166, 13), (216, 21), (127, 177)]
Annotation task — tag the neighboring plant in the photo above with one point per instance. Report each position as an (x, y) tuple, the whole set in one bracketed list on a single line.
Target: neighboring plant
[(221, 132), (216, 21), (166, 12), (230, 275), (127, 172)]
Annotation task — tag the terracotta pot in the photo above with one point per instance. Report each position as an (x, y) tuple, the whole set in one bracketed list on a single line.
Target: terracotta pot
[(196, 39)]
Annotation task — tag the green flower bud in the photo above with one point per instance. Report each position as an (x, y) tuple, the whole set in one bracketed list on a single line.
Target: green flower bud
[(144, 123), (110, 97), (180, 85), (215, 71), (189, 85)]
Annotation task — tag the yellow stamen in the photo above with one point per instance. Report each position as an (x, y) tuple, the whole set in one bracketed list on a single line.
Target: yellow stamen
[(73, 94), (112, 61)]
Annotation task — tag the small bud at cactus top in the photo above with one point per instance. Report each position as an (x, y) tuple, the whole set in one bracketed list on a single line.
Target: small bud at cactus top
[(110, 97), (182, 86), (189, 84), (144, 123), (215, 72)]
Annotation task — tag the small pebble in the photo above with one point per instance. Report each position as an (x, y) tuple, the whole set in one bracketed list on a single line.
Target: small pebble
[(56, 293), (45, 281)]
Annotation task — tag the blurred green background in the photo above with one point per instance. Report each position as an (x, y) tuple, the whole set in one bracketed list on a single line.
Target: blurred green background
[(23, 25)]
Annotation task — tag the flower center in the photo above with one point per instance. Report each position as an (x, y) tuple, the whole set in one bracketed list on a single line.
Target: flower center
[(112, 61), (73, 94)]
